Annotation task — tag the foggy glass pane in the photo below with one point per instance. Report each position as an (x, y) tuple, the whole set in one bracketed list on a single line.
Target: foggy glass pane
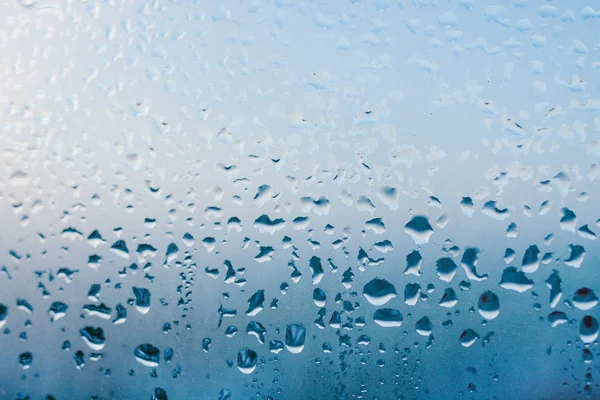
[(278, 199)]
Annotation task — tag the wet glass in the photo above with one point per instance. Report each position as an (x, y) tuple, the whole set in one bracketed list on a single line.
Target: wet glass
[(353, 199)]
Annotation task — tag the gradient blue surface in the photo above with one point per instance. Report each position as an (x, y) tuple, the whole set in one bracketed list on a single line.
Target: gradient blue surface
[(185, 125)]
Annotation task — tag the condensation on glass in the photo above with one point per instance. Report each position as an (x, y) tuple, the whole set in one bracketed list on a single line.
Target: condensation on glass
[(378, 199)]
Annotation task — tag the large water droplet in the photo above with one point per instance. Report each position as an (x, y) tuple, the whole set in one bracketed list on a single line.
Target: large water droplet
[(142, 300), (468, 337), (255, 303), (388, 317), (449, 298), (147, 355), (246, 360), (446, 269), (379, 291), (93, 337), (120, 249), (513, 279), (585, 299), (295, 335), (588, 329), (557, 318), (424, 326), (57, 310), (531, 259), (319, 297), (488, 305), (419, 229)]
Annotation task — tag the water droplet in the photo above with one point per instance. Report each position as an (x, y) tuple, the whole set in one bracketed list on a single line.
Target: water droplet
[(568, 220), (3, 314), (275, 346), (419, 229), (413, 263), (25, 360), (513, 279), (531, 259), (246, 360), (101, 310), (424, 326), (488, 305), (468, 337), (255, 303), (255, 328), (469, 263), (446, 269), (449, 298), (57, 310), (142, 300), (557, 318), (159, 394), (319, 297), (388, 317), (585, 299), (554, 283), (576, 257), (379, 291), (120, 249), (93, 337), (121, 316), (147, 355), (588, 329), (295, 335), (491, 210), (316, 269), (266, 224), (411, 293)]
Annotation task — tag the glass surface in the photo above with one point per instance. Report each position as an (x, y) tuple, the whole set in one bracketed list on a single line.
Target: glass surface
[(376, 199)]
